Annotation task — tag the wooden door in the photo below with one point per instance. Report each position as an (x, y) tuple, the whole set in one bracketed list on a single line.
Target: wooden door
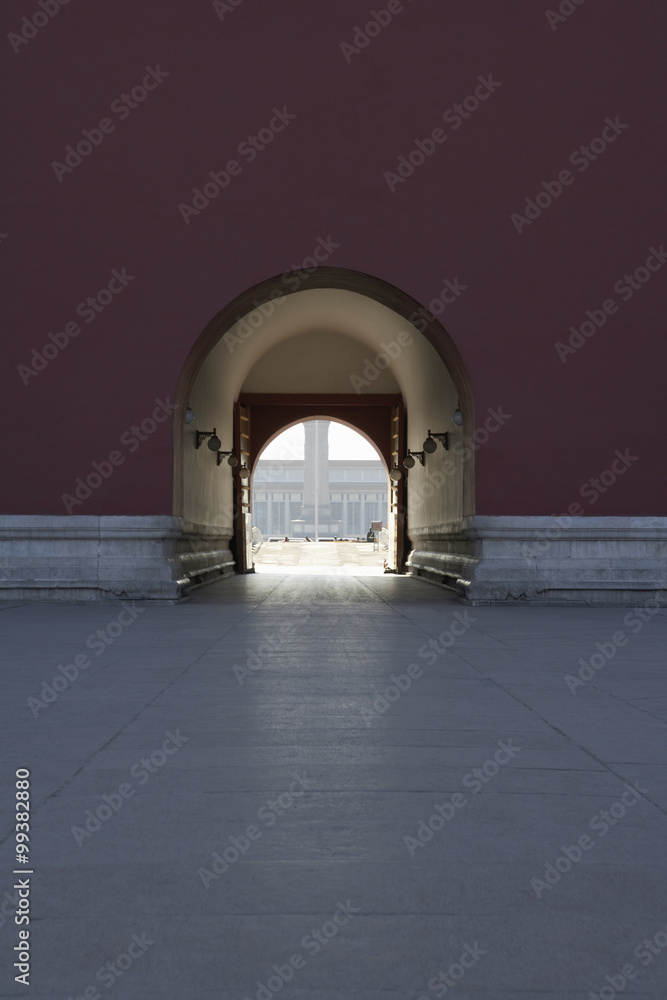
[(397, 513), (242, 491)]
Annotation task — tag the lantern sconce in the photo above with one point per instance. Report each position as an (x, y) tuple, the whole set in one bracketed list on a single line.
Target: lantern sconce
[(214, 443), (409, 460), (431, 443)]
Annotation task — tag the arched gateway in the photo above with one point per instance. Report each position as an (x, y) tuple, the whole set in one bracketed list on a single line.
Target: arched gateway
[(333, 344)]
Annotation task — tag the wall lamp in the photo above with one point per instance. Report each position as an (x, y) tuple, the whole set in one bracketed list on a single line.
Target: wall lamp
[(214, 444), (231, 459), (395, 475), (244, 472), (431, 443), (457, 416), (409, 460), (189, 415)]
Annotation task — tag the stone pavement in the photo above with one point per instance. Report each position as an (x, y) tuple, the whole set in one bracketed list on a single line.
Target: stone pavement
[(286, 787)]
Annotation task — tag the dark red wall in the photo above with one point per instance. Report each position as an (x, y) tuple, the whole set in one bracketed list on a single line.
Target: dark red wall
[(324, 176)]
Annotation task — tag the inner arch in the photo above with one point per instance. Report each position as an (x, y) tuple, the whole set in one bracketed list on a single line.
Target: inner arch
[(313, 512)]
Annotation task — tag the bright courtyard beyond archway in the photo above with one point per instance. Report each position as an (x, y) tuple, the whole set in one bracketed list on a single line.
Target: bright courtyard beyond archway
[(320, 503)]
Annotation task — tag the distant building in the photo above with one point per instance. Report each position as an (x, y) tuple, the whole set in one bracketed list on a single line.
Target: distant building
[(316, 496)]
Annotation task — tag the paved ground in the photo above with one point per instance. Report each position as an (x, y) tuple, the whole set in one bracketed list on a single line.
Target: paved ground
[(321, 558), (278, 827)]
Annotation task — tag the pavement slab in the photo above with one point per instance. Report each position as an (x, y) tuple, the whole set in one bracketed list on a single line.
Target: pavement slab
[(335, 787)]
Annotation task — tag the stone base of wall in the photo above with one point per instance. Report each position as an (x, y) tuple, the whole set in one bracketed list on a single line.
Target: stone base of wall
[(485, 560), (84, 558), (546, 560)]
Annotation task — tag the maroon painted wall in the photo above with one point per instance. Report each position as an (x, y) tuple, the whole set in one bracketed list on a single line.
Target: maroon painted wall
[(356, 113)]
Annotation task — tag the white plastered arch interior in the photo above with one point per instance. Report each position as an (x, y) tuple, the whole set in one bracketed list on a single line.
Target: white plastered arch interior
[(320, 341)]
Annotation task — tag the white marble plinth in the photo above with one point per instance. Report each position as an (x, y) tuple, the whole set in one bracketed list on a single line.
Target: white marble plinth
[(82, 558), (546, 560)]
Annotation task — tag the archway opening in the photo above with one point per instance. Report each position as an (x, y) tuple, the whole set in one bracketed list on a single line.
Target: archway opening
[(340, 345), (320, 502)]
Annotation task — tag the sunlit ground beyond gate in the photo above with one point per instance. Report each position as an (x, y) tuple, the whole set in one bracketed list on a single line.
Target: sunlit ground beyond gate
[(323, 558)]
